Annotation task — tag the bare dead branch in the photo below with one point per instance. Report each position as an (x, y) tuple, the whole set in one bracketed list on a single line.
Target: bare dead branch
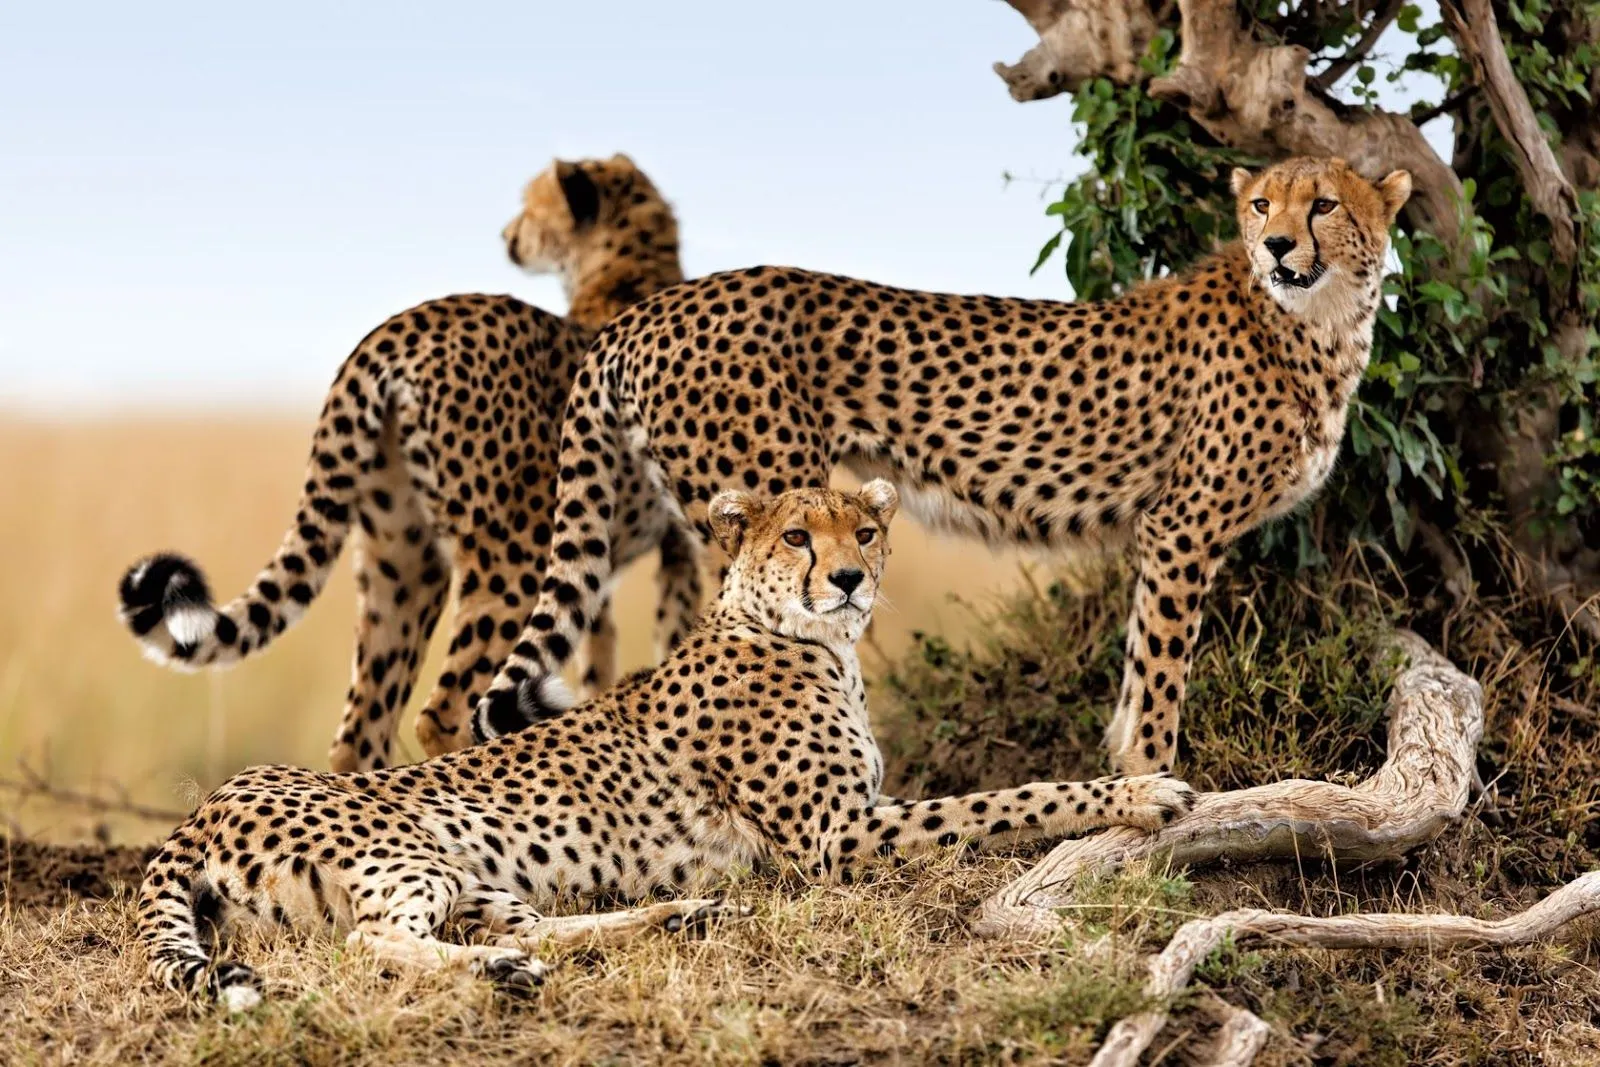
[(1435, 724), (1171, 971), (1421, 116), (1473, 26), (1257, 97), (1517, 448), (1359, 51), (1239, 1040), (1248, 95), (32, 785), (1078, 40)]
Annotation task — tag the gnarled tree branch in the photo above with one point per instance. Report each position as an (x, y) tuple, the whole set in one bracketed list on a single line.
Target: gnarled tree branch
[(1518, 447), (1435, 724), (1248, 95), (1359, 51), (1171, 971), (1078, 40), (1472, 25), (1240, 1037)]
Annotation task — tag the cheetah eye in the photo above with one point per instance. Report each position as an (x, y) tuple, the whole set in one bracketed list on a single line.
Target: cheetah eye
[(865, 535), (1261, 204), (796, 538), (1320, 206)]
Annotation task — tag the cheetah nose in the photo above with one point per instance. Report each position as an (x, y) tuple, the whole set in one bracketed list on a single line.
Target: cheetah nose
[(511, 249), (847, 580), (1279, 246)]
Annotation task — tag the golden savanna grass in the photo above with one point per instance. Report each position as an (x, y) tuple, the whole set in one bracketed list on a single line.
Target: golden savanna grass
[(83, 500), (1288, 681)]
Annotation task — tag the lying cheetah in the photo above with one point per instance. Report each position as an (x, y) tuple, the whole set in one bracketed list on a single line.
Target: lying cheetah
[(439, 439), (1181, 414), (750, 743)]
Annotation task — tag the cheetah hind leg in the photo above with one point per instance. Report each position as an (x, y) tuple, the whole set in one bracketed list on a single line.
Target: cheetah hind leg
[(485, 627), (597, 654), (499, 918), (401, 582)]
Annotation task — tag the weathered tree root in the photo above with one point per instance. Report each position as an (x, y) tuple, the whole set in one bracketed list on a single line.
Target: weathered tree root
[(1171, 970), (1239, 1039), (1435, 724)]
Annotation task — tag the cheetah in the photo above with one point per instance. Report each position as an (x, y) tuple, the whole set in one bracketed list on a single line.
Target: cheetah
[(438, 439), (1179, 415), (748, 746)]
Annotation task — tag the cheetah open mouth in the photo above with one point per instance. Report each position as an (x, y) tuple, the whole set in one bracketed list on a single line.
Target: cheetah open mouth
[(1286, 276)]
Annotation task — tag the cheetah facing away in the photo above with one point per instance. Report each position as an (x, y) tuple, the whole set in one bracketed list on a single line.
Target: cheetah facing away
[(749, 744), (1181, 414), (438, 440)]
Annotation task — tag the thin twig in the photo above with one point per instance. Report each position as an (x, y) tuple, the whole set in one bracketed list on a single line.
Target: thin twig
[(1424, 115), (34, 785), (1341, 66)]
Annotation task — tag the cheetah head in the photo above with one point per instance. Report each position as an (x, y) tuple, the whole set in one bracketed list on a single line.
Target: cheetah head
[(1317, 233), (807, 564), (575, 212)]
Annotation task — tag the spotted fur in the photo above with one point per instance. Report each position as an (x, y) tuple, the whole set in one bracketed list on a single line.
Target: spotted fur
[(437, 443), (749, 745), (1179, 415)]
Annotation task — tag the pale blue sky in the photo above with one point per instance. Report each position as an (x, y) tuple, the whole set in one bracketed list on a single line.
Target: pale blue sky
[(201, 204), (204, 204)]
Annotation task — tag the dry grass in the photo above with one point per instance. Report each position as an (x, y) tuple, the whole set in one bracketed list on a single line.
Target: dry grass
[(881, 972)]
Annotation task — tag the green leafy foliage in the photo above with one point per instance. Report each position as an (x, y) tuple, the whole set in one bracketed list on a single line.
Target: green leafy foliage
[(1464, 332)]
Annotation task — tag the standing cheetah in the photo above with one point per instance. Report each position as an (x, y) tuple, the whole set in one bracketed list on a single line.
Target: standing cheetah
[(1181, 414), (750, 743), (439, 439)]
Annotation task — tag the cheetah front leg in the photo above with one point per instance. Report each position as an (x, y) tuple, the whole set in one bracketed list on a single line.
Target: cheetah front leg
[(506, 966), (1174, 574), (400, 911), (401, 582), (501, 918), (1002, 817)]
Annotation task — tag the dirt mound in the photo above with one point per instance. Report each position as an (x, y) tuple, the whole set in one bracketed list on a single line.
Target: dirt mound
[(36, 874)]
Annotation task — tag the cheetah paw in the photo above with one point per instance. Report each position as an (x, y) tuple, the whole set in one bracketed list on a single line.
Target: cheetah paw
[(1153, 800), (695, 916), (516, 974)]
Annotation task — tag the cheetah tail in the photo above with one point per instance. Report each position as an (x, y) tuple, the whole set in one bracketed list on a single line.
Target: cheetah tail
[(528, 689), (164, 599), (174, 892)]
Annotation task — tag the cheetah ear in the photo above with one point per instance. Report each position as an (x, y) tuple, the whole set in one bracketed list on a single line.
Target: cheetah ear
[(1240, 180), (583, 196), (622, 159), (1395, 189), (880, 499), (731, 513)]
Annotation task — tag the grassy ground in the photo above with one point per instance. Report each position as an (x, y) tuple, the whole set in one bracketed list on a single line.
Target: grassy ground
[(1288, 683)]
